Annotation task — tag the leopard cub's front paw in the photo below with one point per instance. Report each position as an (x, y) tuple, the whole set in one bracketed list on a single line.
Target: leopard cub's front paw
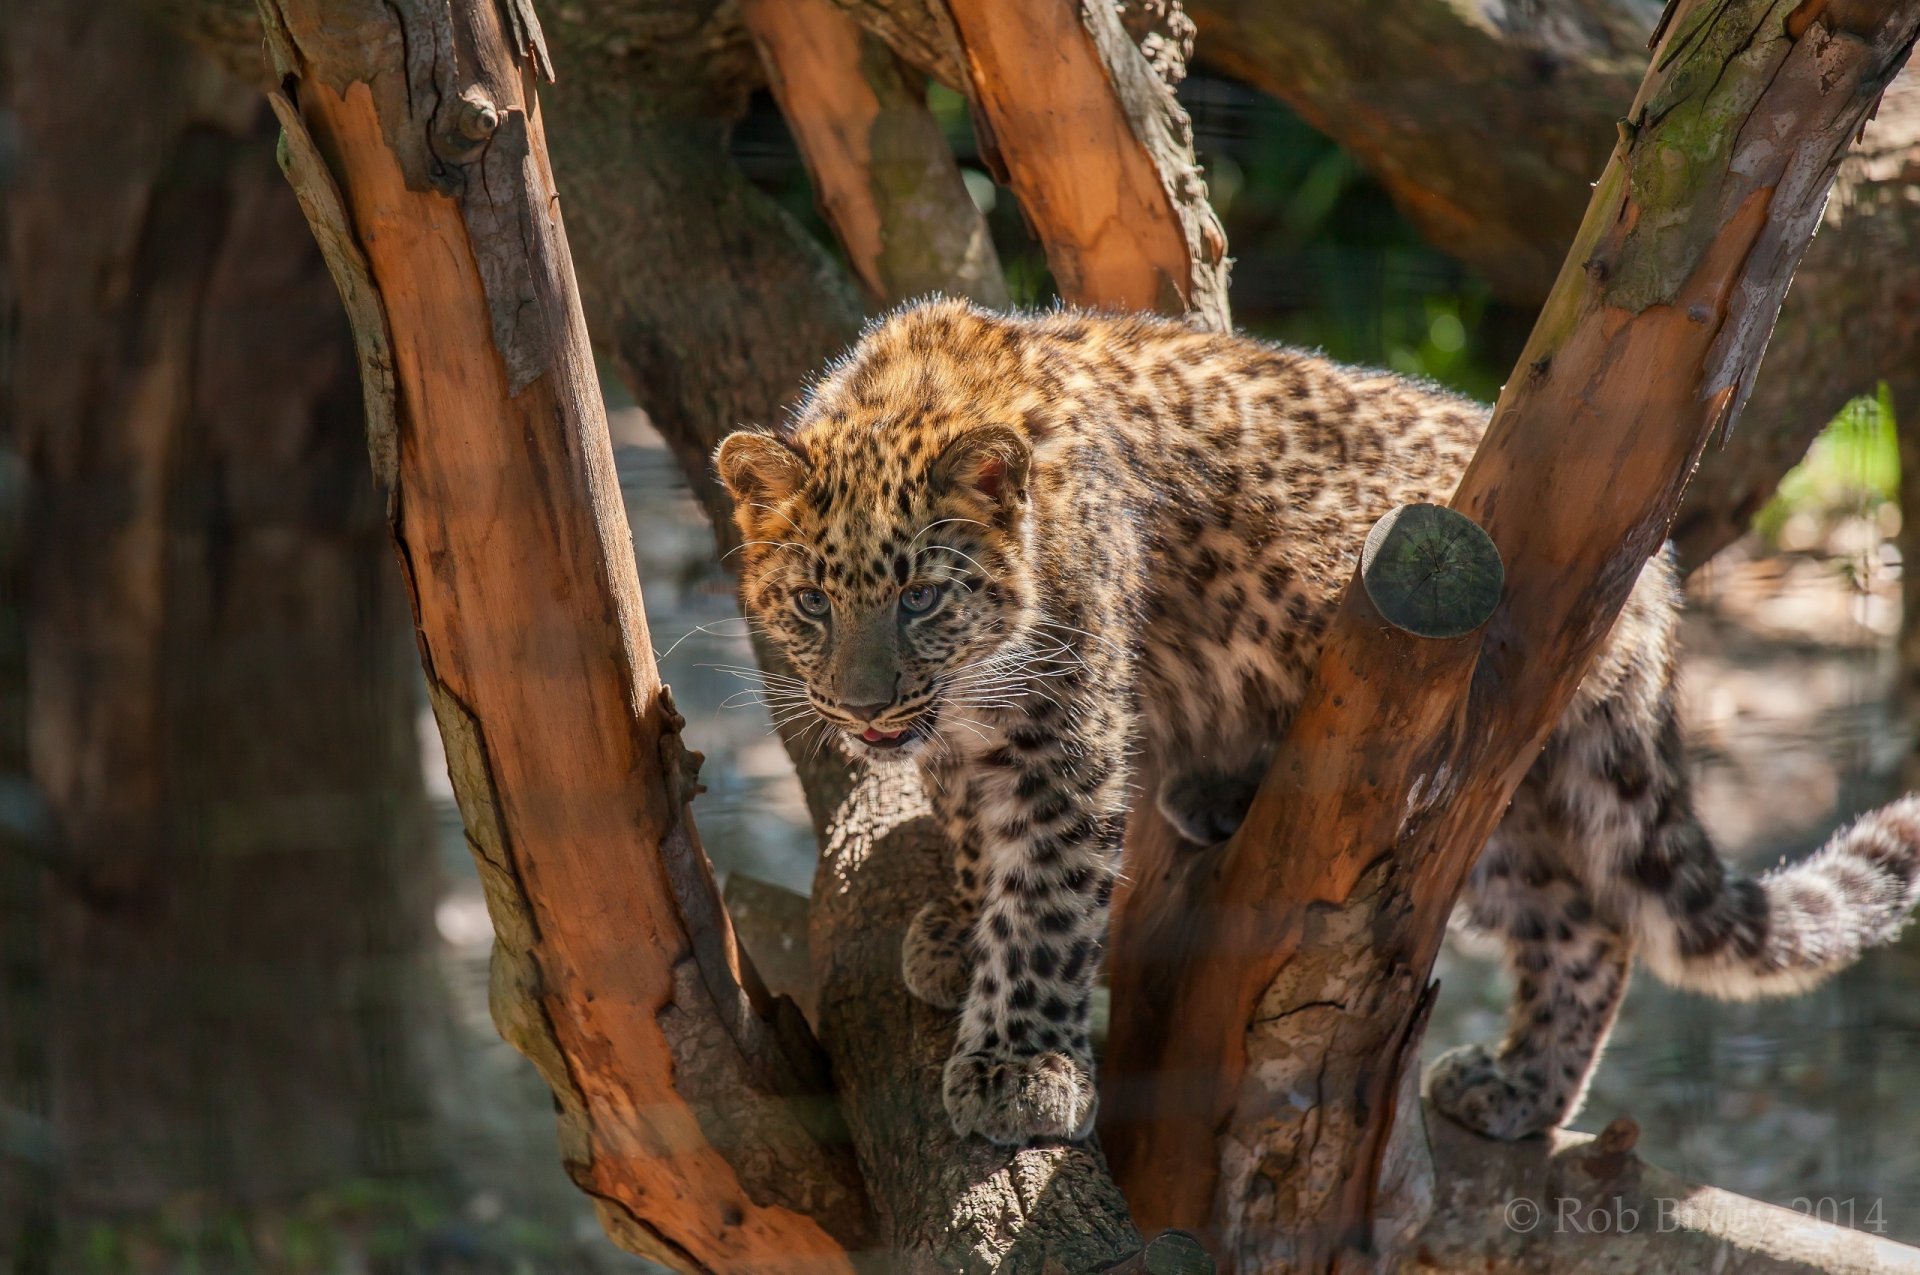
[(933, 960), (1013, 1099), (1469, 1085)]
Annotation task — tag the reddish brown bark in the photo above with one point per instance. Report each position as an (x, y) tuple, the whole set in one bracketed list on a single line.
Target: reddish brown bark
[(691, 1104), (1100, 155), (1257, 1062)]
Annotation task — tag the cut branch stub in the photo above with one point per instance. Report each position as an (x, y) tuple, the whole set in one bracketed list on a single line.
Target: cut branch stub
[(1431, 571)]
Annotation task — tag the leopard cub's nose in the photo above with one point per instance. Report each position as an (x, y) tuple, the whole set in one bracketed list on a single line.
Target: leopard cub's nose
[(866, 712)]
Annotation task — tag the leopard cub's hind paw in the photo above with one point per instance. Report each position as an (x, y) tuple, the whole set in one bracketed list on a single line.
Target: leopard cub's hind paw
[(1473, 1088)]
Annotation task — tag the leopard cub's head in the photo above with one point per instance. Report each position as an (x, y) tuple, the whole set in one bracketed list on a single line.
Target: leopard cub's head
[(888, 553)]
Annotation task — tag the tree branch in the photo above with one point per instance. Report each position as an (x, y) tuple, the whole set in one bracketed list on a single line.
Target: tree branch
[(693, 1107), (1403, 756), (880, 166), (1574, 1201), (1111, 186)]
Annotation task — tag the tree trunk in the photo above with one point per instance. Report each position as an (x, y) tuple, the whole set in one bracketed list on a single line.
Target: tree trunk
[(1263, 1067), (693, 1106), (232, 919)]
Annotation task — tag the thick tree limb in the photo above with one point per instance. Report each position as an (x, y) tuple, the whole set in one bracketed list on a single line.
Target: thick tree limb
[(1574, 1202), (718, 308), (946, 1203), (880, 166), (1327, 909), (692, 1106), (1851, 321), (1100, 155), (1418, 91)]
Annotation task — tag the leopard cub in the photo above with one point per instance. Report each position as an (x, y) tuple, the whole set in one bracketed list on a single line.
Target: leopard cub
[(1018, 551)]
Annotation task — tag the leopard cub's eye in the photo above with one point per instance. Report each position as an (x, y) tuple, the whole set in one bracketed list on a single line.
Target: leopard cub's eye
[(812, 602), (919, 599)]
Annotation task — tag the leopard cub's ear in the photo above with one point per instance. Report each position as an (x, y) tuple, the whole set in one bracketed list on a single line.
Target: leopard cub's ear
[(991, 461), (758, 468)]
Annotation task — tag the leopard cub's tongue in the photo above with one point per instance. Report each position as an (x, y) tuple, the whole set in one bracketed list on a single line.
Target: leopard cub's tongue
[(873, 736)]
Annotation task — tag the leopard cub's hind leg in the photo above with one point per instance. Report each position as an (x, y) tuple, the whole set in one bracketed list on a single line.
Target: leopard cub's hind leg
[(1570, 969)]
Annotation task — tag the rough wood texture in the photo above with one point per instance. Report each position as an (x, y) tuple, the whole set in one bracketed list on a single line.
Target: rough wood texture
[(1100, 155), (692, 1106), (1257, 1063), (881, 170), (946, 1203), (921, 31), (1851, 321)]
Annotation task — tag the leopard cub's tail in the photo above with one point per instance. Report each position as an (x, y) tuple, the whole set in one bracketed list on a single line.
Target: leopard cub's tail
[(1784, 931)]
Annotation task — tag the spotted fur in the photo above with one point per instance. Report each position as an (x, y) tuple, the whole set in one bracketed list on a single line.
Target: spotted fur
[(1132, 535)]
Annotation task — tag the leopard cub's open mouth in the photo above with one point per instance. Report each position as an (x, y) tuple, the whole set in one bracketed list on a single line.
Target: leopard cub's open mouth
[(886, 741)]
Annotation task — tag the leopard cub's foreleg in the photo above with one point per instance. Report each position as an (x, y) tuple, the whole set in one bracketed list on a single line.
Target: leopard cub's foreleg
[(1049, 825)]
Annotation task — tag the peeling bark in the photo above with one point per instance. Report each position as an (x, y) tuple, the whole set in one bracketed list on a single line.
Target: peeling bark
[(692, 1105)]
